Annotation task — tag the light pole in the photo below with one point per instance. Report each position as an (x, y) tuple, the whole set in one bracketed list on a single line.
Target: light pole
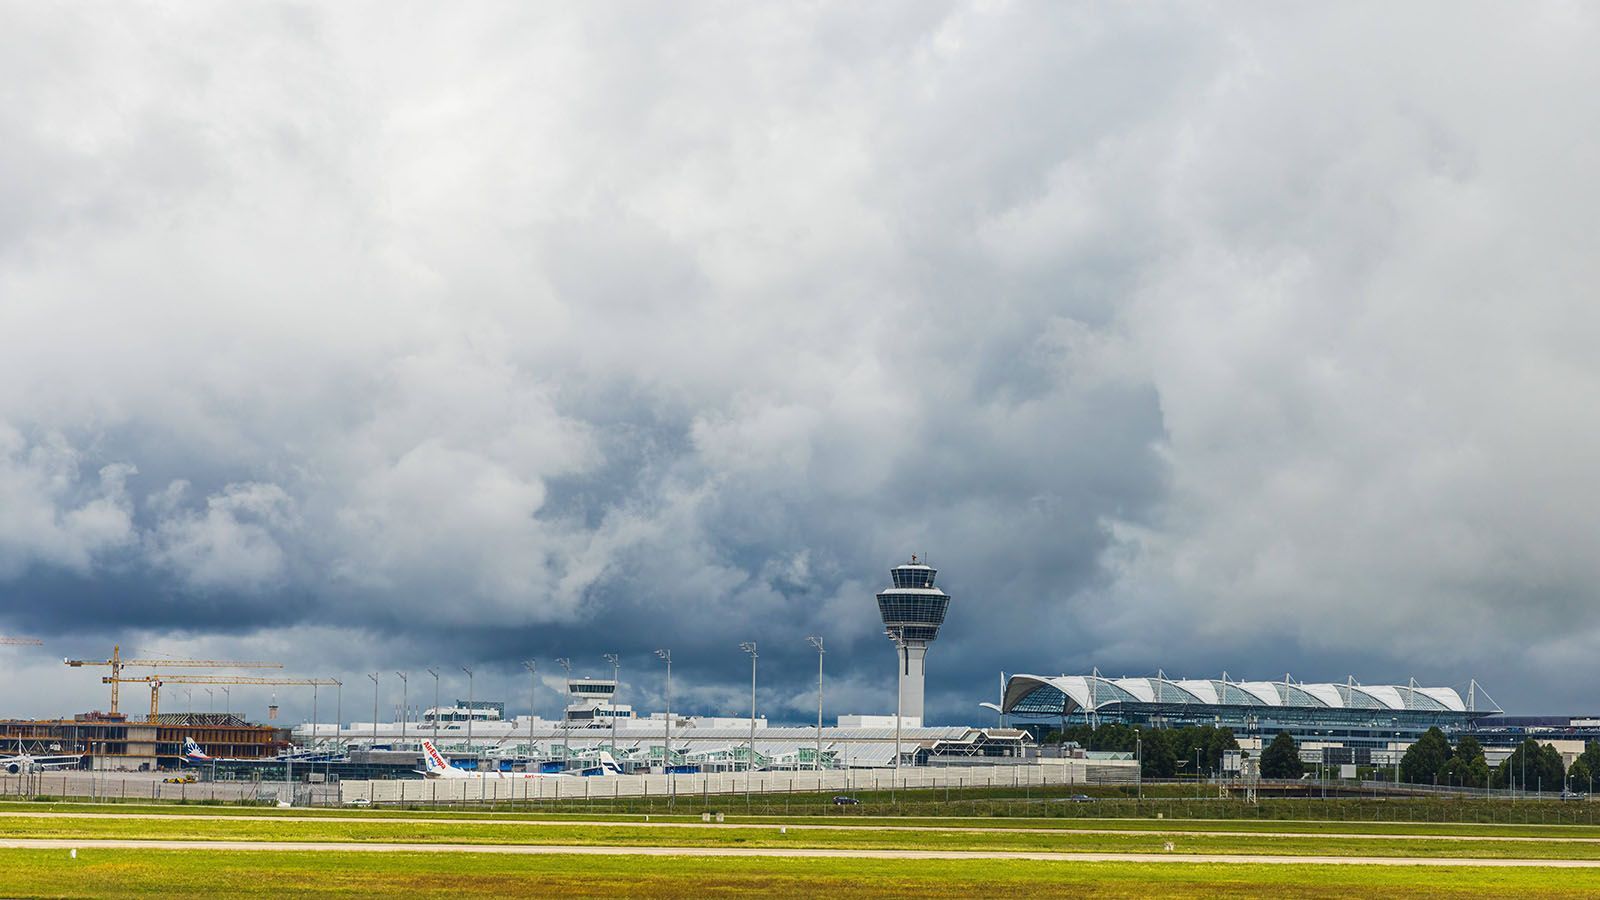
[(211, 702), (227, 702), (374, 677), (616, 685), (566, 745), (666, 752), (817, 643), (435, 673), (338, 714), (533, 690), (1138, 756), (188, 696), (750, 760), (898, 634), (471, 700), (405, 699)]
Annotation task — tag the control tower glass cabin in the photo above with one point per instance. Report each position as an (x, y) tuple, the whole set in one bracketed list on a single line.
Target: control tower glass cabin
[(912, 610)]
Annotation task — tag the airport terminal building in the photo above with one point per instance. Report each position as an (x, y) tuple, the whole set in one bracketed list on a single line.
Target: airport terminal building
[(1347, 722)]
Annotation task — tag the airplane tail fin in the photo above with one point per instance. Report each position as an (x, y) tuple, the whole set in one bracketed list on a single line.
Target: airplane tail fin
[(434, 763), (192, 750), (608, 764)]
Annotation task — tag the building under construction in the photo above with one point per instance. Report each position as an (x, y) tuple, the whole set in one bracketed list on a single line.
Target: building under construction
[(111, 742)]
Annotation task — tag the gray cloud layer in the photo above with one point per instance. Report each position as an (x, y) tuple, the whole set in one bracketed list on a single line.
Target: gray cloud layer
[(374, 337)]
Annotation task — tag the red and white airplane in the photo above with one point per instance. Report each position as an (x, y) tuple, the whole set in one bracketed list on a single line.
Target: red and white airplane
[(436, 766)]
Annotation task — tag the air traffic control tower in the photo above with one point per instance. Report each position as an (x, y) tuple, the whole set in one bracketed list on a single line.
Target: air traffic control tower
[(912, 610)]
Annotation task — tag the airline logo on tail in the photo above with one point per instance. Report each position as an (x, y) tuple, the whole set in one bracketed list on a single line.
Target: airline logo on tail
[(192, 751), (608, 764), (435, 764)]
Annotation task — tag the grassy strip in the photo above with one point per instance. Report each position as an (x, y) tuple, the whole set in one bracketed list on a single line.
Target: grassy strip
[(1170, 801), (129, 873), (1241, 826), (771, 836)]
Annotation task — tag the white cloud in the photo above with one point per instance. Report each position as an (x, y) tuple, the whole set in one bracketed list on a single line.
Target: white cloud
[(1268, 327)]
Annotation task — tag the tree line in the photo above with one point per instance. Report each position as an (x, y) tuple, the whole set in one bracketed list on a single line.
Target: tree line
[(1163, 752), (1434, 760)]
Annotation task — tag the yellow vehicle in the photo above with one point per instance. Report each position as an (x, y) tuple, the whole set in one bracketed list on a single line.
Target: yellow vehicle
[(180, 779)]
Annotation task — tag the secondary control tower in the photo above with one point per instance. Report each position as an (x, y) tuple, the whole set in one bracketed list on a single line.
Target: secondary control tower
[(912, 610)]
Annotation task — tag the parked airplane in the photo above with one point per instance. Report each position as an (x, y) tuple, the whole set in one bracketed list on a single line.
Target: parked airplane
[(24, 764), (436, 766)]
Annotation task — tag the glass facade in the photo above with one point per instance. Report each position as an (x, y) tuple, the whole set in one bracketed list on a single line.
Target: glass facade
[(913, 607), (1364, 716)]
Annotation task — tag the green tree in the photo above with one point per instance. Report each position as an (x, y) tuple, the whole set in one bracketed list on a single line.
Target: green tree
[(1157, 757), (1466, 765), (1590, 759), (1532, 766), (1281, 759), (1579, 775), (1425, 758)]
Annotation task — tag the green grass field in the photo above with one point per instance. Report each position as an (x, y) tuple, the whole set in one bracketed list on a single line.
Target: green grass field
[(770, 836), (100, 871), (129, 873), (1309, 826)]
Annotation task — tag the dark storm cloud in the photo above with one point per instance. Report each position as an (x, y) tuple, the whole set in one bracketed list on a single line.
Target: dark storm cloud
[(373, 339)]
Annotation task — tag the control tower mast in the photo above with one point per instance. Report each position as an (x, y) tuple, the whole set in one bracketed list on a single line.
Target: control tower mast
[(912, 610)]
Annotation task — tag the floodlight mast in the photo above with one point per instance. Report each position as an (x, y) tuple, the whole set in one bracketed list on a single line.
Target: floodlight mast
[(616, 685), (405, 699), (566, 746), (374, 677), (666, 752), (817, 643), (435, 673), (533, 692), (471, 704), (750, 760)]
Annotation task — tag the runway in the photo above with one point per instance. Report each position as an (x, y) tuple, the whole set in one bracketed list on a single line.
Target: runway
[(1183, 858)]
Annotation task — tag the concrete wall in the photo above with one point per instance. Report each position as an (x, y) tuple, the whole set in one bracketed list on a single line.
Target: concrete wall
[(1060, 772)]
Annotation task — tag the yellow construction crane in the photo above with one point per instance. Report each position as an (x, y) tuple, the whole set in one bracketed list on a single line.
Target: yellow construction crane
[(116, 662), (21, 642), (156, 681)]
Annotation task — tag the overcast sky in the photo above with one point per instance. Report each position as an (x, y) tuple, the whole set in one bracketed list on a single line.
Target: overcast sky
[(367, 337)]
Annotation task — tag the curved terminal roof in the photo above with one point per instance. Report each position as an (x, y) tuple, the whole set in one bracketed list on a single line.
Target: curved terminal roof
[(1066, 694)]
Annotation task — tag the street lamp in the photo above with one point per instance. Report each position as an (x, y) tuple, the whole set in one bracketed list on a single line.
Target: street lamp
[(533, 692), (227, 702), (1138, 756), (817, 643), (898, 635), (750, 760), (616, 685), (338, 714), (374, 677), (405, 699), (435, 673), (471, 703), (211, 702), (666, 752), (566, 746)]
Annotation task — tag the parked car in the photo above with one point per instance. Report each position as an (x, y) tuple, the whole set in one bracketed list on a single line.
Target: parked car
[(1572, 795), (1081, 798), (842, 800)]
